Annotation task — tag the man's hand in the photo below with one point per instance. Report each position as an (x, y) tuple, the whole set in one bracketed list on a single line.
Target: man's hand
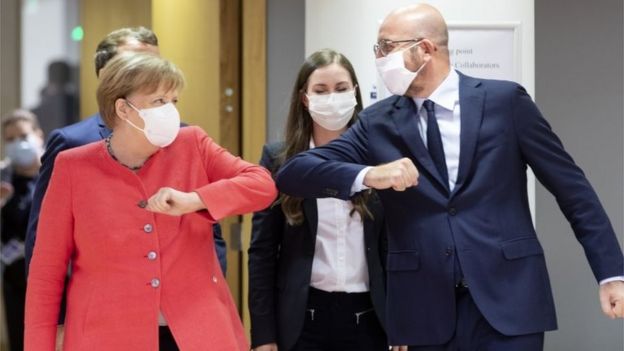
[(398, 175), (612, 299), (399, 348), (174, 203), (266, 347), (60, 334)]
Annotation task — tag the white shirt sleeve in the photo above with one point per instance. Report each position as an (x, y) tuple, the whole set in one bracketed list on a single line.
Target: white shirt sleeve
[(612, 279), (358, 183)]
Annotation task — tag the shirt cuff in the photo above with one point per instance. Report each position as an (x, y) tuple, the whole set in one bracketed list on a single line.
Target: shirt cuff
[(358, 183), (612, 279)]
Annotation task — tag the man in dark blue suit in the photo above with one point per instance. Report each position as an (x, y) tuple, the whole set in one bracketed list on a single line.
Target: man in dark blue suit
[(93, 129), (449, 155)]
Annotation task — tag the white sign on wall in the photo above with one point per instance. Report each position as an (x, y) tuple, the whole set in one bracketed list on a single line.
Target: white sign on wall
[(485, 51)]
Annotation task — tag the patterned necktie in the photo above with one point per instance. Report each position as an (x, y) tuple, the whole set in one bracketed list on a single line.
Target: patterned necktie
[(434, 141)]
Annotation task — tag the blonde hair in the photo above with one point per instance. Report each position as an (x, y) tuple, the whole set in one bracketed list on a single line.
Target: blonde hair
[(131, 72)]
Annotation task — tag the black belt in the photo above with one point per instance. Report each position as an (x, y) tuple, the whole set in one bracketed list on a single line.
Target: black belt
[(356, 301), (362, 298)]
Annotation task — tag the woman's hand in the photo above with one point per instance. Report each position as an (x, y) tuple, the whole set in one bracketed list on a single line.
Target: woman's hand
[(174, 203)]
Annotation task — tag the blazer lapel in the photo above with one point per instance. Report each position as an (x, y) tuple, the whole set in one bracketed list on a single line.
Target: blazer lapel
[(471, 101), (404, 116), (310, 211)]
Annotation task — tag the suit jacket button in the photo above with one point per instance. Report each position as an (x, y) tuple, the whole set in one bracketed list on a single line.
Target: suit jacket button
[(452, 211), (148, 228), (142, 204)]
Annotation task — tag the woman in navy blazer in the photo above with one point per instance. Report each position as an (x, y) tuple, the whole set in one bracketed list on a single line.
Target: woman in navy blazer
[(316, 278)]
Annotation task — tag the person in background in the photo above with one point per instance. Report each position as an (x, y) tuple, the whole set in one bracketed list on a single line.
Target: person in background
[(316, 277), (58, 100), (448, 154), (146, 258), (23, 144)]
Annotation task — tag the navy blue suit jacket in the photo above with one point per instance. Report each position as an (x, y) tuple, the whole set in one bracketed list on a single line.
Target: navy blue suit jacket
[(485, 220), (77, 134)]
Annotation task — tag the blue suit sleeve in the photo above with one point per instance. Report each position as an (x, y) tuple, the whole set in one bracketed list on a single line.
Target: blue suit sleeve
[(556, 170), (57, 142), (329, 170), (266, 234)]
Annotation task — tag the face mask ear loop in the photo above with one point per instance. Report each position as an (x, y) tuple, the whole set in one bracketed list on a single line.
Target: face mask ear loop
[(128, 121), (424, 63), (421, 67), (132, 124)]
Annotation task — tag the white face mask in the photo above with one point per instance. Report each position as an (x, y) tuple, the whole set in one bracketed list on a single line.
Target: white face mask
[(332, 111), (395, 76), (162, 123), (24, 152)]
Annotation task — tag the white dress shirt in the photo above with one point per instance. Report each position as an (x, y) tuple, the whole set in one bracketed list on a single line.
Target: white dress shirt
[(446, 100), (339, 262)]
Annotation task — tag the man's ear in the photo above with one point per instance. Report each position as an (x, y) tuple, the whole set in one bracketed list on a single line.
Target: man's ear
[(428, 47)]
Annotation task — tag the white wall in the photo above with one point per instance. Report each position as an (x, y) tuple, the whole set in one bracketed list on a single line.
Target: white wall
[(285, 53), (585, 106)]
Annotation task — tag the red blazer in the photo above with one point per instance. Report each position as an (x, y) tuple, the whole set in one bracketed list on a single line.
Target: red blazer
[(127, 263)]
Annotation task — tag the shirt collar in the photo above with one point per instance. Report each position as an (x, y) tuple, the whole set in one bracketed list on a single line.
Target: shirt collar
[(446, 94)]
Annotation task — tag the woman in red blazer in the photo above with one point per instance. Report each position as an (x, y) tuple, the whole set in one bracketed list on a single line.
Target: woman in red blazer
[(133, 216)]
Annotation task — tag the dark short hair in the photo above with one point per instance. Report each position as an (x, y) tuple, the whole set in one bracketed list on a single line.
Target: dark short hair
[(107, 48)]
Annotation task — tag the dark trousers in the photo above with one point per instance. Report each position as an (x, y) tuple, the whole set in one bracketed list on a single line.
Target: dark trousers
[(14, 290), (165, 340), (340, 321), (474, 333)]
